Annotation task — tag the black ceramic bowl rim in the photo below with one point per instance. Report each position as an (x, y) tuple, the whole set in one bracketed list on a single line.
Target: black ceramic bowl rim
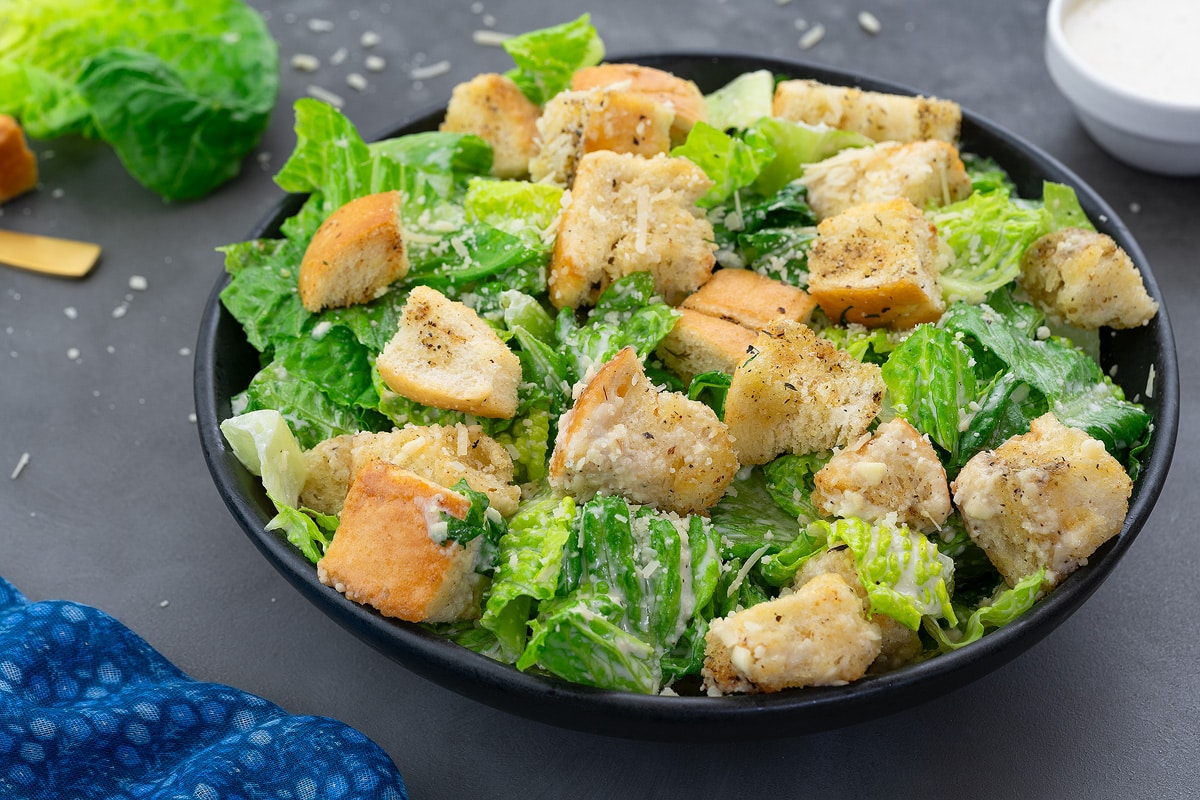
[(223, 357)]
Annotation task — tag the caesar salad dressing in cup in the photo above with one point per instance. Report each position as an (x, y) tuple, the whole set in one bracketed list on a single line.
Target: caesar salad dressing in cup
[(1147, 47)]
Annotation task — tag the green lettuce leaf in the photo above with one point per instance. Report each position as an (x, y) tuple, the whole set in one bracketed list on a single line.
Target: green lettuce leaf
[(931, 380), (547, 58), (797, 144), (905, 575), (181, 89), (519, 208), (1007, 606), (730, 162), (743, 101), (710, 388)]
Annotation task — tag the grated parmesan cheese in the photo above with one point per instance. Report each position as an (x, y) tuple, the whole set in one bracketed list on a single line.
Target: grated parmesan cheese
[(814, 35), (431, 71), (489, 38), (21, 463), (869, 22), (325, 96)]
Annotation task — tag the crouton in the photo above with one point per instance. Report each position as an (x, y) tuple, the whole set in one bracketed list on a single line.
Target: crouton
[(799, 394), (876, 115), (655, 448), (700, 343), (631, 214), (898, 645), (444, 454), (355, 254), (895, 471), (815, 636), (494, 109), (877, 265), (18, 164), (574, 124), (927, 173), (388, 553), (1087, 279), (749, 299), (1047, 498), (444, 355), (682, 95)]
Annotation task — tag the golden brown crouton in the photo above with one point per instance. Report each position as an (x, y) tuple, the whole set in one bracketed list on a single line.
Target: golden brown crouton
[(494, 109), (815, 636), (749, 299), (388, 552), (631, 214), (444, 454), (655, 448), (799, 394), (877, 265), (876, 115), (898, 645), (574, 124), (1047, 498), (926, 173), (18, 164), (444, 355), (682, 95), (1087, 279), (355, 254), (700, 343), (896, 470)]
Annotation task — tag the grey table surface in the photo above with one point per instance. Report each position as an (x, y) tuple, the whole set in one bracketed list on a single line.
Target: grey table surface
[(115, 507)]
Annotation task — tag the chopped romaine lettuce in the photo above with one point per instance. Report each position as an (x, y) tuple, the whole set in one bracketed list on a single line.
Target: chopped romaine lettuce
[(730, 162), (1007, 606), (742, 102), (547, 58)]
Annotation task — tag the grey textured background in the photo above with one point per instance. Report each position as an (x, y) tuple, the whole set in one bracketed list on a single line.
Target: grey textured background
[(116, 508)]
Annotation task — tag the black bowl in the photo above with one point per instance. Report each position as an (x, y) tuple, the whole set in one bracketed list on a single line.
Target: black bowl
[(225, 362)]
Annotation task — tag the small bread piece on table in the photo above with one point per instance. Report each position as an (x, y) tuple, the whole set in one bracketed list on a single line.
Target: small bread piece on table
[(799, 394), (444, 454), (355, 254), (18, 164), (656, 448), (877, 264), (893, 471), (494, 109), (749, 299), (632, 214), (927, 173), (816, 636), (1087, 279), (898, 644), (574, 124), (879, 116), (444, 355), (387, 552), (700, 343), (682, 95), (1047, 498)]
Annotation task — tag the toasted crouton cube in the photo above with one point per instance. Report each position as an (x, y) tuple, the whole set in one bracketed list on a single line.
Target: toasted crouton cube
[(632, 214), (749, 299), (444, 454), (799, 394), (574, 124), (700, 343), (18, 164), (816, 636), (876, 115), (1047, 498), (444, 355), (896, 470), (494, 109), (655, 448), (682, 95), (1087, 279), (388, 553), (898, 644), (926, 173), (877, 264), (355, 254)]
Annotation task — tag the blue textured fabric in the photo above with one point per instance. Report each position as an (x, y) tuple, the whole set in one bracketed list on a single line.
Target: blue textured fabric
[(89, 710)]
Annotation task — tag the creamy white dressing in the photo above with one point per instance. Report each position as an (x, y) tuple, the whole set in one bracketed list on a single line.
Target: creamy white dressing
[(1146, 47)]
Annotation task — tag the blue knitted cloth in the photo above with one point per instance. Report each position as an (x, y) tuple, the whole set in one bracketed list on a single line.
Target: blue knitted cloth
[(88, 710)]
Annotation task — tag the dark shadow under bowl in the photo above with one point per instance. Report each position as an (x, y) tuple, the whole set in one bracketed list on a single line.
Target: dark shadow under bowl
[(225, 362)]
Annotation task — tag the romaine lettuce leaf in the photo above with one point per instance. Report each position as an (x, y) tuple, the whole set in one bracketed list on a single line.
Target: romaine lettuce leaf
[(519, 208), (795, 145), (931, 380), (710, 388), (730, 162), (547, 58), (905, 575), (181, 89), (527, 569), (743, 101), (1003, 609)]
